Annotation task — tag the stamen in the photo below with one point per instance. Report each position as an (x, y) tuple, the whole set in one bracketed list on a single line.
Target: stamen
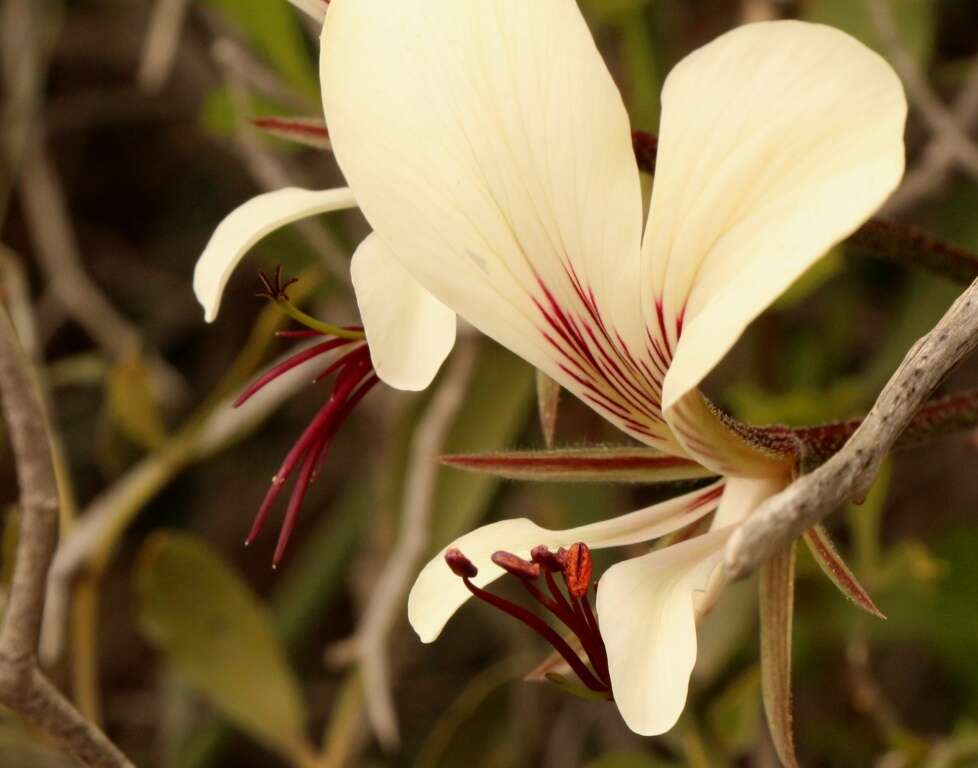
[(355, 379), (456, 560), (516, 566), (573, 610), (578, 569)]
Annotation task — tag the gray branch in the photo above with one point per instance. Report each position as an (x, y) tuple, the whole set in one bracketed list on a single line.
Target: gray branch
[(849, 474), (23, 687)]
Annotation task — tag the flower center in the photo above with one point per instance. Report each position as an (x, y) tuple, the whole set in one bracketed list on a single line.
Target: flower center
[(573, 609), (354, 378)]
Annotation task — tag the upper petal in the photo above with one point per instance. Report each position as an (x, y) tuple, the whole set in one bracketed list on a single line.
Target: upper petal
[(245, 226), (409, 331), (489, 148), (438, 593), (777, 140)]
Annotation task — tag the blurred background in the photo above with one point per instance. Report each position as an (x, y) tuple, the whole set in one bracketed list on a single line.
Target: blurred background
[(126, 136)]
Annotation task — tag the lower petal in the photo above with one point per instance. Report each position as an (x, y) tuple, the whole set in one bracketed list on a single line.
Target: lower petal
[(409, 331), (648, 608), (438, 593), (647, 612)]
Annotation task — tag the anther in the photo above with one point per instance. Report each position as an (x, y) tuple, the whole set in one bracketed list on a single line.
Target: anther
[(517, 566), (546, 559), (461, 565), (577, 569)]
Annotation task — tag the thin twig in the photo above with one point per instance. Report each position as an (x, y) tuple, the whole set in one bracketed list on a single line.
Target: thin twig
[(386, 601), (270, 171), (850, 473), (937, 116), (935, 169), (57, 250), (162, 41), (23, 687)]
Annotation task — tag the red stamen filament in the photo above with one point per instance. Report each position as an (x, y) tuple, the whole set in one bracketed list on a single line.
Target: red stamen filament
[(575, 613), (355, 379), (543, 629)]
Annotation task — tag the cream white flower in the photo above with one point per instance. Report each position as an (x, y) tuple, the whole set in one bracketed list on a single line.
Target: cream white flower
[(490, 151)]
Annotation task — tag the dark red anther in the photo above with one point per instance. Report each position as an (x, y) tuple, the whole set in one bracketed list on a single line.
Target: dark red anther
[(546, 559), (461, 565), (577, 570), (517, 566)]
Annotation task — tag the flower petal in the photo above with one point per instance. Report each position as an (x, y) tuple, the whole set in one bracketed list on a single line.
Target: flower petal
[(489, 148), (778, 139), (647, 612), (409, 331), (244, 227), (438, 593), (648, 608)]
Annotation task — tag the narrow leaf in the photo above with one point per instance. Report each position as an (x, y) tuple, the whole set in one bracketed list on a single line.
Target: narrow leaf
[(219, 638), (592, 464), (303, 130), (777, 598), (548, 402), (832, 564)]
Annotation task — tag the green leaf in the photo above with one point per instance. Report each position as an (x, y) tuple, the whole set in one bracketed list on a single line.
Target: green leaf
[(735, 715), (131, 403), (219, 638), (272, 27), (496, 408), (629, 760)]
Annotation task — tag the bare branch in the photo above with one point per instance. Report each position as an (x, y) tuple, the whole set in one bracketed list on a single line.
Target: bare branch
[(850, 473), (23, 687), (922, 96), (162, 41), (386, 601), (57, 250), (935, 169), (271, 172)]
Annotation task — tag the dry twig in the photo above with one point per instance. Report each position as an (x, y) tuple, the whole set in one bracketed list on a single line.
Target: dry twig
[(850, 473), (937, 116), (162, 41), (386, 602), (23, 686)]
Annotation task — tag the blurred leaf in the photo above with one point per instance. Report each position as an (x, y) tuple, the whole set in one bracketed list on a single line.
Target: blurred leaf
[(548, 403), (915, 20), (220, 116), (777, 586), (345, 723), (131, 403), (735, 714), (273, 29), (450, 743), (814, 278), (495, 410), (866, 522), (629, 760), (219, 638)]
